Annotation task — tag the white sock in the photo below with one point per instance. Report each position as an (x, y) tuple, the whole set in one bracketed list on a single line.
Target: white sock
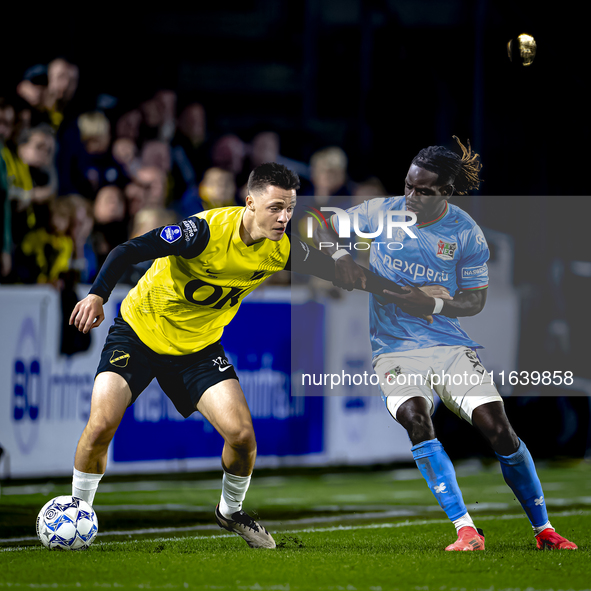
[(233, 492), (463, 521), (84, 486), (539, 530)]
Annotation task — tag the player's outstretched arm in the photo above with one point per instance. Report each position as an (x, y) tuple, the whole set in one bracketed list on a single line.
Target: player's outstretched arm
[(415, 302), (187, 239), (88, 313), (348, 275), (465, 303)]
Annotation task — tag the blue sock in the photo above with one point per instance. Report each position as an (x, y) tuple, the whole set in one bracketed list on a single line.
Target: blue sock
[(437, 469), (520, 474)]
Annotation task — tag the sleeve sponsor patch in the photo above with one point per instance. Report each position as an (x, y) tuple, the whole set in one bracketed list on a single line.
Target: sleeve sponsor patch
[(468, 272), (190, 229), (171, 234)]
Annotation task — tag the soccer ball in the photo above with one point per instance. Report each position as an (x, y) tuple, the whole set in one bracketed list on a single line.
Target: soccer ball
[(67, 523)]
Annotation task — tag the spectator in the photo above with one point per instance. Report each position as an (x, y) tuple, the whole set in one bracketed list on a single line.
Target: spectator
[(84, 257), (190, 153), (156, 154), (7, 120), (32, 89), (17, 188), (125, 153), (155, 182), (109, 205), (218, 188), (20, 184), (128, 125), (136, 194), (265, 147), (92, 167), (36, 148), (329, 186), (46, 253), (152, 118), (167, 100), (150, 219), (228, 152), (328, 169), (371, 187), (110, 222), (62, 83)]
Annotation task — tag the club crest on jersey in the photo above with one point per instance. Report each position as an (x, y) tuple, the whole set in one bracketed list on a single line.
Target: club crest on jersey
[(446, 250), (171, 234), (119, 359)]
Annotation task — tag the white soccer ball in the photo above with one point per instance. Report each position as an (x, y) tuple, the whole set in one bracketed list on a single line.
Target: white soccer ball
[(67, 523)]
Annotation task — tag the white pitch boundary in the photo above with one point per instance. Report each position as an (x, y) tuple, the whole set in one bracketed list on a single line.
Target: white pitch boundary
[(311, 530)]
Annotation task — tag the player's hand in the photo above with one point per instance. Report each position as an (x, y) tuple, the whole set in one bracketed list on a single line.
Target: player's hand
[(436, 291), (348, 274), (88, 313), (414, 301)]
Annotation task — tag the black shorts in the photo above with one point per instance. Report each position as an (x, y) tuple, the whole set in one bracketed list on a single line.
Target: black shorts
[(183, 378)]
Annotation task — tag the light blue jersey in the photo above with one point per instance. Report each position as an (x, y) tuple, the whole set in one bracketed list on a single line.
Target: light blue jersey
[(450, 251)]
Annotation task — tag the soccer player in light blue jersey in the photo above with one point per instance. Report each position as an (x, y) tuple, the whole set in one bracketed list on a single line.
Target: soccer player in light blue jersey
[(417, 342)]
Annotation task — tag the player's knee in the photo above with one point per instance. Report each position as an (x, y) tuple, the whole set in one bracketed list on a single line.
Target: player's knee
[(503, 439), (415, 417), (419, 427), (421, 431), (99, 432), (243, 439), (493, 423)]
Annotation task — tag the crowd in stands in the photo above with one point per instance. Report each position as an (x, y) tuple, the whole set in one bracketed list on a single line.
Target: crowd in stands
[(75, 183)]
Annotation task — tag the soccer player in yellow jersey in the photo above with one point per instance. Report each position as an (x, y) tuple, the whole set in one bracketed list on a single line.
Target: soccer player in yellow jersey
[(171, 323)]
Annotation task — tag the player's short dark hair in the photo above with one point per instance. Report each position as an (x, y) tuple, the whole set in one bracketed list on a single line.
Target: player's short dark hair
[(271, 173), (463, 172)]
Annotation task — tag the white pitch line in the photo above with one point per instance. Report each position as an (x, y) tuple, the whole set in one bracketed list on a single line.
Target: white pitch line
[(291, 531)]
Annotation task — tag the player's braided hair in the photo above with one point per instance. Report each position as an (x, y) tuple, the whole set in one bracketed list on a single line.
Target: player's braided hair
[(271, 173), (463, 172)]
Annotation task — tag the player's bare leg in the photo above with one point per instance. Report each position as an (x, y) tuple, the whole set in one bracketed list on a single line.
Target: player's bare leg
[(519, 472), (438, 471), (110, 397), (490, 419), (225, 407), (415, 416)]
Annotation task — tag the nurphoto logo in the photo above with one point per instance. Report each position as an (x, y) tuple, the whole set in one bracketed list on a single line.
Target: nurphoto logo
[(393, 219)]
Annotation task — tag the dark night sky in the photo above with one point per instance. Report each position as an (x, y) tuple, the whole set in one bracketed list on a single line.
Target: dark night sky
[(381, 78)]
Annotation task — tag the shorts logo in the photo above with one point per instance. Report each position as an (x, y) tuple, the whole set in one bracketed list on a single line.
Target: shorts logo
[(221, 363), (171, 234), (393, 372), (446, 250), (468, 272), (119, 359)]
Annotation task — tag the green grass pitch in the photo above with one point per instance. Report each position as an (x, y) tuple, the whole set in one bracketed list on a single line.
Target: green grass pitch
[(366, 530)]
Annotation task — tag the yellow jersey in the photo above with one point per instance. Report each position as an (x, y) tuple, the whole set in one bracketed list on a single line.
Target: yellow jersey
[(183, 302)]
